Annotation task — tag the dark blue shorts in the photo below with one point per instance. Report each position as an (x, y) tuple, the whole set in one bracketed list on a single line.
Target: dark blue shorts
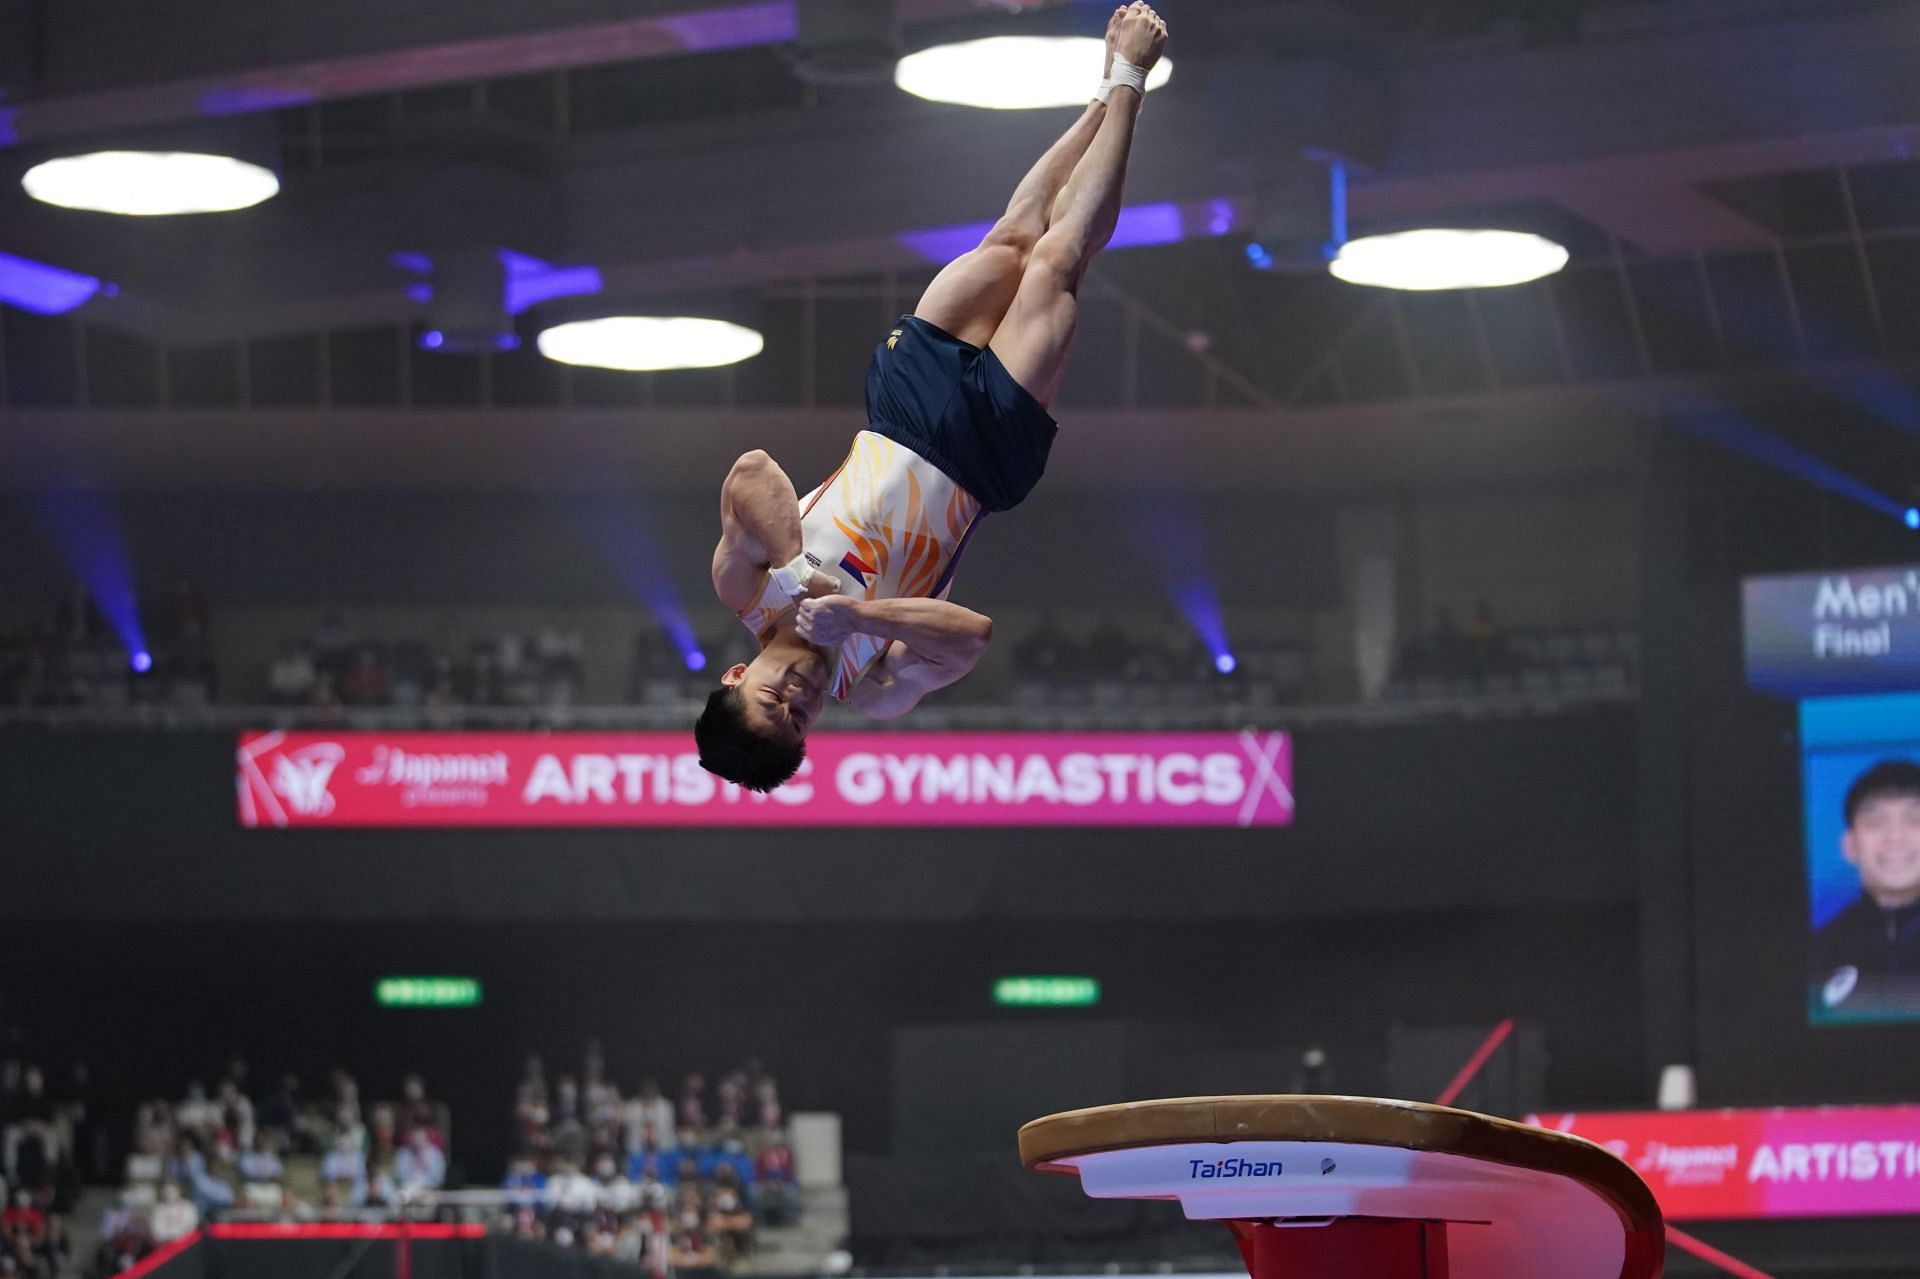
[(957, 406)]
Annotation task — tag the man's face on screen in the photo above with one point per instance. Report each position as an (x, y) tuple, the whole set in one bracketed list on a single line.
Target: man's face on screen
[(1884, 842)]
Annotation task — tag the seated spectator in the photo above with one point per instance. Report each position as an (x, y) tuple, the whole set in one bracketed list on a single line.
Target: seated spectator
[(568, 1133), (693, 1102), (332, 645), (524, 1182), (236, 1114), (602, 1234), (1048, 651), (618, 1194), (345, 1165), (365, 681), (727, 1150), (23, 1225), (383, 1132), (188, 1168), (598, 1093), (647, 1118), (196, 1114), (728, 1220), (417, 1110), (174, 1217), (634, 1244), (154, 1129), (27, 1148), (773, 1174), (291, 678), (766, 1102), (571, 1191), (283, 1117), (690, 1254), (259, 1163), (1485, 639), (187, 613), (420, 1165), (125, 1236)]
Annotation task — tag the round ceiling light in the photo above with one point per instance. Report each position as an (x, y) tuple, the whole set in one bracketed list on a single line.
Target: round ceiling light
[(150, 183), (650, 343), (1012, 73), (1437, 258)]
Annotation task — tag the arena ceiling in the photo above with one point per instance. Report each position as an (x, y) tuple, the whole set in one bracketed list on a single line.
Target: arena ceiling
[(1744, 215)]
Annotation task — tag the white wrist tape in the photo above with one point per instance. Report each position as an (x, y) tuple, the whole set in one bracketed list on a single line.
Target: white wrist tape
[(1123, 73), (792, 577)]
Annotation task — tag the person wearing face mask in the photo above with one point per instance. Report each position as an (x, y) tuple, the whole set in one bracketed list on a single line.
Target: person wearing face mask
[(618, 1195)]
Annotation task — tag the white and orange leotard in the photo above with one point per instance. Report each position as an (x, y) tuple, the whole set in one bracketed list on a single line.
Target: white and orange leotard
[(889, 525)]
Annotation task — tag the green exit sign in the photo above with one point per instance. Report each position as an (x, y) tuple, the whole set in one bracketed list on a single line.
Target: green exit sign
[(1046, 992), (427, 992)]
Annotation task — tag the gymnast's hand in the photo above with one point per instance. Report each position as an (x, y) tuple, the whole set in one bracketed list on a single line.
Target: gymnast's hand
[(828, 620)]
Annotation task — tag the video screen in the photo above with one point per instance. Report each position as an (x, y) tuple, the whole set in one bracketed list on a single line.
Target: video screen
[(1861, 776)]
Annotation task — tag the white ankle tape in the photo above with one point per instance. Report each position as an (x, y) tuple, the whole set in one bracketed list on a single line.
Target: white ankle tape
[(1123, 73)]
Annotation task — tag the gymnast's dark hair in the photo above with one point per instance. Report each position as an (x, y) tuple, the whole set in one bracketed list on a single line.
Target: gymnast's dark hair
[(1889, 779), (730, 748)]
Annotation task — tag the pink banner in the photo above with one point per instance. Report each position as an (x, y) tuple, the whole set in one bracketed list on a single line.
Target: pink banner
[(1853, 1161), (849, 779)]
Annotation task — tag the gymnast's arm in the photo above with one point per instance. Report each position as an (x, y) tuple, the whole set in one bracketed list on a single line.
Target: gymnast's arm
[(759, 527), (934, 644)]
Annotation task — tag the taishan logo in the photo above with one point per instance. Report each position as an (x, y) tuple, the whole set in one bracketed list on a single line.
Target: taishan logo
[(1209, 1169)]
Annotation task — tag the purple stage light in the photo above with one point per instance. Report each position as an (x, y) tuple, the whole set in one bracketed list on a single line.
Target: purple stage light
[(433, 339), (142, 663), (82, 525), (531, 281), (736, 28), (1139, 225), (249, 99), (1220, 218), (1225, 663), (43, 289), (1143, 224), (696, 660)]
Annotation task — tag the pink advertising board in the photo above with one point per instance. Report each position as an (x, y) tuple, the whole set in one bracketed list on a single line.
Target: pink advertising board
[(849, 779), (1828, 1161)]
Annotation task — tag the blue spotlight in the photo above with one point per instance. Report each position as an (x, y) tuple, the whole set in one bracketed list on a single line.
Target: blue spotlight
[(1913, 517), (142, 662), (622, 537), (1710, 420), (1258, 256), (1168, 535), (82, 525), (433, 339)]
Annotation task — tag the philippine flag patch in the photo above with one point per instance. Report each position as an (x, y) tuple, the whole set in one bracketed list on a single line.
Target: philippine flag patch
[(852, 564)]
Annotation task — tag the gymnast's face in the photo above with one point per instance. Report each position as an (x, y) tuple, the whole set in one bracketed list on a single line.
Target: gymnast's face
[(1884, 842), (781, 691)]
